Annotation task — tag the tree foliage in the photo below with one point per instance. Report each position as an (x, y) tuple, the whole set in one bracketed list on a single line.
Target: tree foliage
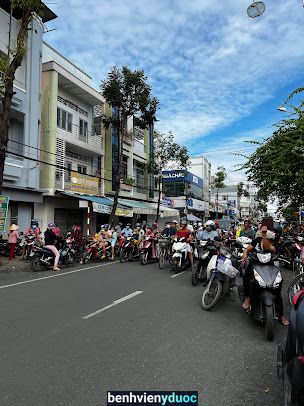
[(277, 166), (218, 180), (166, 150), (129, 94)]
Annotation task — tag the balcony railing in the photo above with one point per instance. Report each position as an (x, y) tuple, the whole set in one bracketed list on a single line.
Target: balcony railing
[(74, 134)]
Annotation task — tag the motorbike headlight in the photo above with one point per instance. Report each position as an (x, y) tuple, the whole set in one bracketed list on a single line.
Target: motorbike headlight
[(259, 279), (278, 280), (264, 258)]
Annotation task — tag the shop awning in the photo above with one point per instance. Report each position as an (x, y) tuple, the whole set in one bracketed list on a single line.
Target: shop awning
[(138, 207), (165, 211), (102, 204), (192, 217), (96, 199)]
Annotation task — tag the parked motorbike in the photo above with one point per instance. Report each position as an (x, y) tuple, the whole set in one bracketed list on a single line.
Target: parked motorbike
[(290, 361), (43, 258), (285, 251), (265, 290), (148, 250), (180, 259), (221, 276), (129, 250), (205, 251)]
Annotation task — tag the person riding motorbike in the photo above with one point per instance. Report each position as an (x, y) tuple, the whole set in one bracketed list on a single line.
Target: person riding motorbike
[(184, 232), (263, 241), (106, 240), (127, 231), (50, 238), (209, 233), (247, 231)]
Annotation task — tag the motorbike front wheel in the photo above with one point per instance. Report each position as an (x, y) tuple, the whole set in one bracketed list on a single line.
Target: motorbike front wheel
[(70, 258), (35, 264), (87, 257), (144, 257), (269, 322), (295, 286), (162, 259), (211, 294), (195, 275), (123, 256)]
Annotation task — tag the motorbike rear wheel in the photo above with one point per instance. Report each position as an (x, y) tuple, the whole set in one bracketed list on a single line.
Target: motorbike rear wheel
[(211, 294), (269, 322), (144, 257), (295, 286), (35, 264)]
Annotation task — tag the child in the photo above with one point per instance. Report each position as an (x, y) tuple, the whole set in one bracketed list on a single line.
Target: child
[(12, 239)]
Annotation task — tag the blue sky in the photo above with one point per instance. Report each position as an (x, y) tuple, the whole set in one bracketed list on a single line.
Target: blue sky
[(218, 74)]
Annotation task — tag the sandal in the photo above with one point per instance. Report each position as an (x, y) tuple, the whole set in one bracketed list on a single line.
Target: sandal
[(56, 269), (246, 307)]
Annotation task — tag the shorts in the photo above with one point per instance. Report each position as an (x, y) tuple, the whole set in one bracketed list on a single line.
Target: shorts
[(113, 242), (188, 248)]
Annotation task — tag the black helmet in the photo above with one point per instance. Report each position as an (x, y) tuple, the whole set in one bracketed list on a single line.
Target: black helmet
[(34, 222)]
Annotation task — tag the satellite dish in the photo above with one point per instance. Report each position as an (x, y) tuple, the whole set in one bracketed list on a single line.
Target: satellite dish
[(256, 9)]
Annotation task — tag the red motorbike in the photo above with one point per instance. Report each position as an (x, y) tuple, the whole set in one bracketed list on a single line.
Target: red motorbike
[(149, 250)]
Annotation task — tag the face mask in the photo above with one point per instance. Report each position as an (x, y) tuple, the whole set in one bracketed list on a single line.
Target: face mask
[(34, 227)]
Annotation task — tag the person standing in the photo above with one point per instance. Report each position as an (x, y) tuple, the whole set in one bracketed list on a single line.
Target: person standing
[(12, 240), (50, 238)]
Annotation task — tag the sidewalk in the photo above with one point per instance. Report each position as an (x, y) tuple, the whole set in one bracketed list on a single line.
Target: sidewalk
[(13, 271)]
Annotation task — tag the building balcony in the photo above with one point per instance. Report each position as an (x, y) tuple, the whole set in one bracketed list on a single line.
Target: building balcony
[(82, 138), (13, 167)]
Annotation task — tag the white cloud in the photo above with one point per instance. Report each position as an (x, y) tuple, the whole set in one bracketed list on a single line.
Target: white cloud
[(209, 64)]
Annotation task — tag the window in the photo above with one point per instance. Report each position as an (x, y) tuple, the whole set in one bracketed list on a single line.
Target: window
[(82, 169), (14, 212), (124, 167), (64, 119), (16, 136), (139, 177), (83, 129), (68, 171)]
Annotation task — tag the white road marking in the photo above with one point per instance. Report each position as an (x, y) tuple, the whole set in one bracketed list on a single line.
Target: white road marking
[(177, 274), (116, 302), (57, 275)]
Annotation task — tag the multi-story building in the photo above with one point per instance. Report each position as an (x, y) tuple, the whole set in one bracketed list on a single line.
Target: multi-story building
[(184, 191), (201, 167), (228, 203), (21, 175), (72, 145)]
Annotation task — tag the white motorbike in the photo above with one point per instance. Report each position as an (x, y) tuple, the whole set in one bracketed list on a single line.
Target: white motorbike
[(180, 259)]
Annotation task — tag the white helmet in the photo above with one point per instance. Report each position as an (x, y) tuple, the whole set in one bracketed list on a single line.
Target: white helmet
[(210, 223)]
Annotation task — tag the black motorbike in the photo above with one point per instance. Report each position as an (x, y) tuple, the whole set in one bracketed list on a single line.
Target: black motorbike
[(205, 251), (265, 290), (42, 258), (129, 250), (291, 356)]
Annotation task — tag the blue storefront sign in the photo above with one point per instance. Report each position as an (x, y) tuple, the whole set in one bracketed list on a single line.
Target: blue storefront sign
[(182, 175)]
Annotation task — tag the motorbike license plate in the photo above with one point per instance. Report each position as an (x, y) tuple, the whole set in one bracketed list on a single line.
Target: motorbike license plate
[(177, 254), (32, 254)]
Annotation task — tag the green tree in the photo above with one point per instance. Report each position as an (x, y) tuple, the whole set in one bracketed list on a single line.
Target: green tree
[(165, 150), (9, 64), (277, 165), (218, 182), (129, 94)]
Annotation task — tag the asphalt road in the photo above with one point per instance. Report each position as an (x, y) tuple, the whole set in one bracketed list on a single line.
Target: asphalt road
[(159, 339)]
